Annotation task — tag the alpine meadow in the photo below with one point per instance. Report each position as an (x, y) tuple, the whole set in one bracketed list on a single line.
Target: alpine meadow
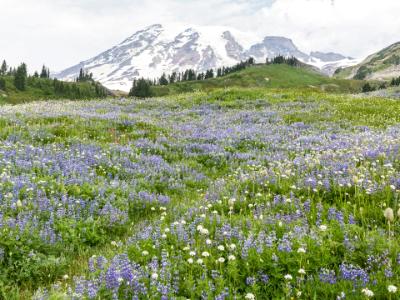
[(200, 161)]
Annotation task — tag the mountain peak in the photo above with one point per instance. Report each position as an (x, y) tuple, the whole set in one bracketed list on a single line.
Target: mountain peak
[(173, 47)]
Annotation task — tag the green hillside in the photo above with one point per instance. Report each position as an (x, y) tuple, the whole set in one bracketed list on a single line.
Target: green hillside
[(44, 88), (382, 65), (266, 76)]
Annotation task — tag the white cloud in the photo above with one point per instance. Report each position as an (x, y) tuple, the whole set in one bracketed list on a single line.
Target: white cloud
[(61, 33)]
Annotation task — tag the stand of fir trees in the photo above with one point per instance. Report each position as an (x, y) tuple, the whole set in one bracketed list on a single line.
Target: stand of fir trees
[(141, 88), (395, 81), (20, 77), (280, 59), (17, 84)]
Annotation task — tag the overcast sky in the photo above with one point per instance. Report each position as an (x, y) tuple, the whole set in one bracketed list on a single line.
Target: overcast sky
[(62, 33)]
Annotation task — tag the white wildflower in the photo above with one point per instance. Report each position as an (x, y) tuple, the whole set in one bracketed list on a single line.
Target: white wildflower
[(250, 296), (301, 250), (392, 289), (389, 215), (323, 227), (367, 292), (221, 260), (288, 277)]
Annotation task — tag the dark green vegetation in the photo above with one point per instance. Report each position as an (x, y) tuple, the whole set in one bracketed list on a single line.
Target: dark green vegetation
[(16, 86)]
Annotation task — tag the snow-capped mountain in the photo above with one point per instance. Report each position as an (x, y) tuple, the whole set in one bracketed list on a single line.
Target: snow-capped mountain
[(164, 49)]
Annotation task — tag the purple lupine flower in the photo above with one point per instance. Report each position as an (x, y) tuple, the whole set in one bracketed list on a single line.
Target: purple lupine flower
[(354, 273), (327, 276)]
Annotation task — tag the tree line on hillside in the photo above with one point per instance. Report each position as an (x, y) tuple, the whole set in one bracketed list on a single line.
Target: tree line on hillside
[(369, 87), (280, 59), (83, 87), (142, 87)]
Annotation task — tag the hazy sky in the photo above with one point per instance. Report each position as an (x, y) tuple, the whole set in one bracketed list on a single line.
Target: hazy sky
[(62, 33)]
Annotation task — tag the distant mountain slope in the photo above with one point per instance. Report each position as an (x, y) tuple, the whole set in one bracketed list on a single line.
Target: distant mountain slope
[(382, 65), (266, 76), (158, 49)]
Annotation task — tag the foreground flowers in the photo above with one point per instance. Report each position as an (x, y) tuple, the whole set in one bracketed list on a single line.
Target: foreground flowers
[(198, 200)]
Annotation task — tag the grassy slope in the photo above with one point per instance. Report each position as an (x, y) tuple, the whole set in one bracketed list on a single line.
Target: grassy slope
[(266, 76), (374, 63), (37, 89)]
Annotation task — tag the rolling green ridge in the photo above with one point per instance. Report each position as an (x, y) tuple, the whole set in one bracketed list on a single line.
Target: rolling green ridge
[(266, 76), (384, 64)]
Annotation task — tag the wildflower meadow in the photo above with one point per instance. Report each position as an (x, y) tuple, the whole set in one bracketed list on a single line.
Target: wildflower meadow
[(234, 194)]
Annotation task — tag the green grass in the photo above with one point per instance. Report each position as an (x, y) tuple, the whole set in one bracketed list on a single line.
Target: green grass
[(266, 76)]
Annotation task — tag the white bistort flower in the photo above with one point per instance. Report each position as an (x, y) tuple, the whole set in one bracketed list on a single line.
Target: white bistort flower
[(301, 250), (250, 296), (392, 289), (205, 254), (367, 292), (221, 260), (288, 277), (389, 215), (323, 227)]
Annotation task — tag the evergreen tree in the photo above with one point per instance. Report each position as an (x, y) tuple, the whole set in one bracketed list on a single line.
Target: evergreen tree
[(395, 81), (141, 89), (173, 77), (2, 84), (45, 72), (20, 77), (36, 74), (83, 76), (209, 74), (163, 80), (367, 88), (3, 69)]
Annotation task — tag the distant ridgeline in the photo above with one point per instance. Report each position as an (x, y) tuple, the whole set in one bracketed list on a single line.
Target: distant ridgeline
[(142, 87), (17, 86)]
